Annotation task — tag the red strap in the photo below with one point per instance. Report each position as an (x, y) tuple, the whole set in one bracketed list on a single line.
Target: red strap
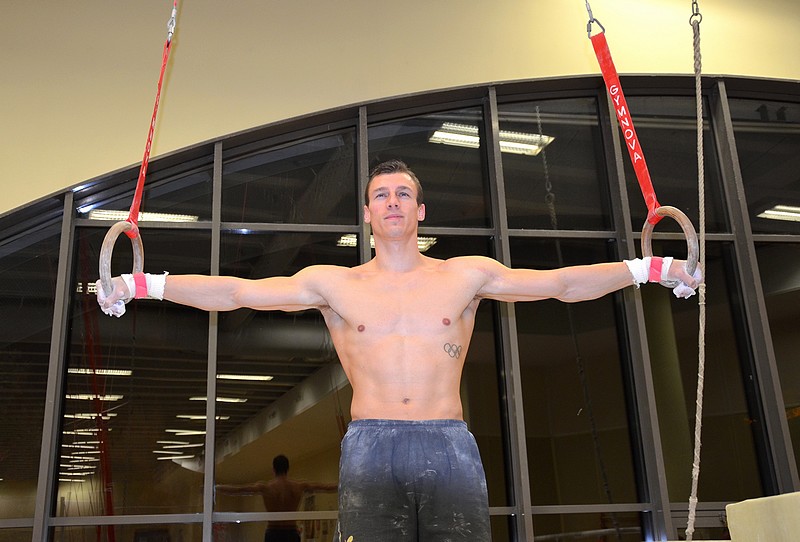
[(133, 214), (614, 89), (141, 285), (656, 264)]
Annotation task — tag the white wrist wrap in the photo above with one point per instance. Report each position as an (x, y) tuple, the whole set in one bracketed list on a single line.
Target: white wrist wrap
[(667, 262), (155, 285), (640, 270), (131, 284)]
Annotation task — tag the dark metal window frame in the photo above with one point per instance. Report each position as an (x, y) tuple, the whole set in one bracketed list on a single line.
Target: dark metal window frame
[(662, 519)]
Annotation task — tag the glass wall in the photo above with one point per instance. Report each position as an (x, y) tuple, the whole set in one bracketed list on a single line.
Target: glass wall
[(767, 138), (454, 176), (779, 264), (576, 405), (560, 182), (132, 431), (164, 423), (729, 467), (667, 129), (28, 273)]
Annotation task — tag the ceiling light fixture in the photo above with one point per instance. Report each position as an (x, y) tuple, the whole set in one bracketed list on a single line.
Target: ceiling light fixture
[(92, 397), (90, 416), (174, 457), (79, 467), (350, 240), (86, 432), (184, 432), (221, 399), (789, 213), (100, 372), (116, 216), (466, 135), (254, 378)]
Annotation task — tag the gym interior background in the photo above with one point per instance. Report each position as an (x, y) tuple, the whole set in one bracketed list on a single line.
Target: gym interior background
[(583, 413)]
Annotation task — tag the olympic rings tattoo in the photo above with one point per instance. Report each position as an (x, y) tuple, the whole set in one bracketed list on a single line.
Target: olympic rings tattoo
[(453, 350)]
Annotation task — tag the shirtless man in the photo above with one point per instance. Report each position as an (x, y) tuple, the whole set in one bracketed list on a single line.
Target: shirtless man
[(401, 325), (281, 494)]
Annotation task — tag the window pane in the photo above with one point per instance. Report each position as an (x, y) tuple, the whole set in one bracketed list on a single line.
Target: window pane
[(28, 269), (309, 182), (767, 139), (15, 535), (453, 177), (130, 442), (778, 265), (667, 130), (322, 530), (186, 194), (192, 532), (604, 526), (729, 469), (574, 396), (302, 411), (568, 171)]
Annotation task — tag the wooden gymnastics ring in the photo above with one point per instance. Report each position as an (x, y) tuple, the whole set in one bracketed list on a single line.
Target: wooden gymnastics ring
[(108, 248), (692, 247)]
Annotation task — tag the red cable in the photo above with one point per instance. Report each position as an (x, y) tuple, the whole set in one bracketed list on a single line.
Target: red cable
[(133, 215), (614, 89)]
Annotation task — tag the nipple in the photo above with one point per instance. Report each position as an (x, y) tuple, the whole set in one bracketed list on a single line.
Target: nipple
[(446, 321), (361, 328)]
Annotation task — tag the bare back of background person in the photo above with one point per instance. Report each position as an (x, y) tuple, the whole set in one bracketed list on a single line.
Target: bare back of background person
[(281, 494)]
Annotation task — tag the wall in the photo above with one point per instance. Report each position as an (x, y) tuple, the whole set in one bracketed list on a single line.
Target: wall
[(79, 78)]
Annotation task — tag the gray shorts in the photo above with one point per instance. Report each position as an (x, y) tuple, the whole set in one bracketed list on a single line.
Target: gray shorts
[(412, 481)]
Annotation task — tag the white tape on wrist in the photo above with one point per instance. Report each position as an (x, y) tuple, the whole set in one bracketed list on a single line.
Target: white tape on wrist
[(649, 269), (665, 265), (156, 285), (640, 270), (145, 285), (130, 283)]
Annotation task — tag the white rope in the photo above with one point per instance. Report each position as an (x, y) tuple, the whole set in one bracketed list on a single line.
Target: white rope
[(701, 339)]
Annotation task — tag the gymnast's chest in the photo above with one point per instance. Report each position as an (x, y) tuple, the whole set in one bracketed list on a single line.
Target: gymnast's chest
[(402, 307)]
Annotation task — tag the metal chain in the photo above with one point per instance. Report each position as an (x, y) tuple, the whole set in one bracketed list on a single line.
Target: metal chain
[(549, 197), (592, 20)]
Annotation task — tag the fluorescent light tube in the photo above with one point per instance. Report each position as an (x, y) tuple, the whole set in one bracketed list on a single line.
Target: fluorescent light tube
[(350, 240), (465, 135), (108, 214), (789, 213)]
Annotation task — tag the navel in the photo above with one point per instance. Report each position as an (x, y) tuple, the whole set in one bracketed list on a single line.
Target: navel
[(361, 328), (406, 400), (446, 321)]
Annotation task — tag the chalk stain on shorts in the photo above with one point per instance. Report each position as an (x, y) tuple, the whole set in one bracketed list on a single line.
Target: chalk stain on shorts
[(460, 525)]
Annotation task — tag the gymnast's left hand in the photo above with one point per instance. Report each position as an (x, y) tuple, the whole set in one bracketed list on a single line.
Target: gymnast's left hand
[(688, 283), (114, 304)]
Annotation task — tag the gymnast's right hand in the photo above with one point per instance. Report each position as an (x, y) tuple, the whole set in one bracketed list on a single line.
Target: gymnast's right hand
[(114, 304)]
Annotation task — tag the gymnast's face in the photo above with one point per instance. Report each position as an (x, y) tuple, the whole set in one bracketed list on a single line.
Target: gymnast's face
[(392, 208)]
